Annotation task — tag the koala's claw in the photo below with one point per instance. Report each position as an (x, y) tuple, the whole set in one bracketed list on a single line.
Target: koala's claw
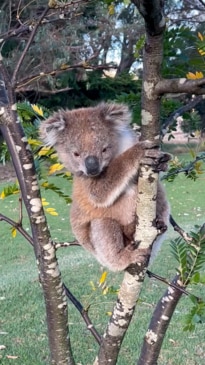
[(141, 255), (162, 162), (161, 226), (149, 145), (157, 159)]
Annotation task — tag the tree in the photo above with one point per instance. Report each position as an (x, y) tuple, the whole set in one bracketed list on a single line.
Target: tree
[(153, 87)]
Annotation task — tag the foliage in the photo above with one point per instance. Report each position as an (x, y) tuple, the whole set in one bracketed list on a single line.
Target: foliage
[(176, 41), (46, 162), (191, 258), (4, 153), (192, 169), (196, 315), (10, 190)]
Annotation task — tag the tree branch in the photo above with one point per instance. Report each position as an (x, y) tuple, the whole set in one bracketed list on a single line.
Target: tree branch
[(181, 85), (152, 12), (186, 169), (33, 33), (56, 305), (81, 65), (146, 233), (18, 227), (159, 323), (65, 244), (180, 230), (84, 314), (15, 32)]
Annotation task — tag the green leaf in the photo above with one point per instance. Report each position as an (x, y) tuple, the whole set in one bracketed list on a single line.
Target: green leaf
[(49, 186), (179, 251), (195, 278), (9, 190)]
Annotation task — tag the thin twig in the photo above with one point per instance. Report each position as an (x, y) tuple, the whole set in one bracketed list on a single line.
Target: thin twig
[(15, 32), (65, 244), (18, 227), (186, 169), (83, 313), (165, 281), (180, 230), (5, 82), (32, 35), (81, 65), (20, 210)]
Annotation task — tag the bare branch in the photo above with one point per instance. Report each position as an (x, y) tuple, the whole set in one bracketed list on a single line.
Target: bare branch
[(180, 230), (33, 33), (43, 91), (18, 227), (181, 85), (15, 32), (65, 244), (84, 314), (81, 65), (165, 281)]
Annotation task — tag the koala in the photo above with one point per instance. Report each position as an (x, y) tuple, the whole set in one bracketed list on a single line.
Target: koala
[(98, 146)]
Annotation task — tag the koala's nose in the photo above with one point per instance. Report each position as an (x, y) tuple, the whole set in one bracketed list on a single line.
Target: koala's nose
[(92, 165)]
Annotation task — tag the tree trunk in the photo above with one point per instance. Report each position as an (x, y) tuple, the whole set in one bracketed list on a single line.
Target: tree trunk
[(50, 277)]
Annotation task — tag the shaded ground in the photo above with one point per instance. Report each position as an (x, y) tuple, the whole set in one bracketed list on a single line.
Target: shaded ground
[(7, 173)]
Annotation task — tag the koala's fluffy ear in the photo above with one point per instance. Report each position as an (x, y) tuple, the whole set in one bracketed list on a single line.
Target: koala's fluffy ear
[(52, 128), (117, 114)]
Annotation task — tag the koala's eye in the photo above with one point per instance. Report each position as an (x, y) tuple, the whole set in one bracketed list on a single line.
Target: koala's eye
[(76, 154), (105, 149)]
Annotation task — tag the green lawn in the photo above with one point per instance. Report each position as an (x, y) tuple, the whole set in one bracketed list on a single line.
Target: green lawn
[(22, 316)]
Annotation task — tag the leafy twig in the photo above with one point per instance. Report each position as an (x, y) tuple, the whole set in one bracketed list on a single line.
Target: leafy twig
[(187, 169)]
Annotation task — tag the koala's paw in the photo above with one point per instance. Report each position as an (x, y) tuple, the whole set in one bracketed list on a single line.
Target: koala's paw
[(161, 226), (140, 255), (150, 146), (162, 162), (157, 159)]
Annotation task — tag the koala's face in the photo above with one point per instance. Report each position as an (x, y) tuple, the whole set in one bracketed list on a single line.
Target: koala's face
[(90, 152), (87, 146), (87, 139)]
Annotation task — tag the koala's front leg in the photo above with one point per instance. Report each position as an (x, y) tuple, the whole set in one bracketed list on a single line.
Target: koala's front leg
[(108, 242), (105, 189)]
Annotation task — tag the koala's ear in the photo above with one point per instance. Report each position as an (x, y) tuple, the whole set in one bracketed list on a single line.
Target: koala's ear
[(118, 114), (52, 128)]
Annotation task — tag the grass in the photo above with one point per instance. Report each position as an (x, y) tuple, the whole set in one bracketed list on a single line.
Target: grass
[(22, 315)]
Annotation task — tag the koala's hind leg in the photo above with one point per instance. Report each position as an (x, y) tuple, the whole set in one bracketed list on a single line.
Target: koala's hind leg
[(108, 241)]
